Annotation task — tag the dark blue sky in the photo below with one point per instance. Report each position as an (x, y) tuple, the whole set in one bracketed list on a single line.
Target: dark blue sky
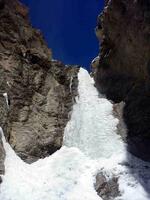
[(68, 27)]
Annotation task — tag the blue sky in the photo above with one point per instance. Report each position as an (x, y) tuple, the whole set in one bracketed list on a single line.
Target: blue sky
[(68, 27)]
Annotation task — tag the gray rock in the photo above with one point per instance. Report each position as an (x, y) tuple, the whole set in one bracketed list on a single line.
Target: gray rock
[(40, 102), (2, 158), (122, 72), (40, 92), (106, 188), (3, 117), (121, 126)]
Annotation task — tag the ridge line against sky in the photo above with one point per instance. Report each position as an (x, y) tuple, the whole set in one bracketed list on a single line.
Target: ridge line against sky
[(68, 27)]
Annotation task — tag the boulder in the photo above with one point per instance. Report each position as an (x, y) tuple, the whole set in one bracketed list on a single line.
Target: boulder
[(107, 189)]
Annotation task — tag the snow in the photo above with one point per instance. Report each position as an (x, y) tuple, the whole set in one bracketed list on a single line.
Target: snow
[(66, 175), (133, 175), (90, 145)]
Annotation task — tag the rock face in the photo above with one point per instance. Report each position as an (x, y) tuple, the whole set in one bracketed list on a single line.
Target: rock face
[(2, 157), (107, 189), (40, 101), (118, 113), (123, 71), (36, 93)]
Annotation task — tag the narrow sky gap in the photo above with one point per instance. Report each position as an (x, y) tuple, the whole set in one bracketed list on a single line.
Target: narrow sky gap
[(68, 27)]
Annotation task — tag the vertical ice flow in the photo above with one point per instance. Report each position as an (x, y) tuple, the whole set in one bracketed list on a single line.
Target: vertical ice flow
[(92, 127)]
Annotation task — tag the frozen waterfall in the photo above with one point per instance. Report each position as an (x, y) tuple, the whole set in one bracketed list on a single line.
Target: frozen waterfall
[(92, 127), (90, 145)]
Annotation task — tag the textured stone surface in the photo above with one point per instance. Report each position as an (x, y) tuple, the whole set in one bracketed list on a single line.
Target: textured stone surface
[(2, 157), (40, 91), (39, 109), (107, 189), (124, 31), (123, 71), (3, 118), (118, 113)]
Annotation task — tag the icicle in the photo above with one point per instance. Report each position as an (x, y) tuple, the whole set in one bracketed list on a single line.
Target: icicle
[(1, 132), (5, 95)]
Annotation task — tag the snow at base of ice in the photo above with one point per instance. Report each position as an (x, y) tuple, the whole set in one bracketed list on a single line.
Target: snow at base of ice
[(92, 145), (66, 175)]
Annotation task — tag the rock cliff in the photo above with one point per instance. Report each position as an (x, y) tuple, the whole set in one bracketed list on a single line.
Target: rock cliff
[(122, 71), (36, 92)]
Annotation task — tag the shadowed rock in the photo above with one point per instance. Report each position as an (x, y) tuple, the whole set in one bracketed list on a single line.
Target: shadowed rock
[(123, 29)]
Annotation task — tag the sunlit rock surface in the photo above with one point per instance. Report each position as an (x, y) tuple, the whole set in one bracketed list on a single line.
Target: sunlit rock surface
[(36, 92)]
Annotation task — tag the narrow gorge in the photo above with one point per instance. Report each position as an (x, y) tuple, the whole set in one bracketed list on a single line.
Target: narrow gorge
[(66, 134)]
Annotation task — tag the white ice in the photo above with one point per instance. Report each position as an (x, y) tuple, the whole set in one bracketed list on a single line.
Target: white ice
[(92, 127), (92, 145)]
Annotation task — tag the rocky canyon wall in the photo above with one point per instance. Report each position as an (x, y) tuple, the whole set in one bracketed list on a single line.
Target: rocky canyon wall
[(36, 92), (122, 71)]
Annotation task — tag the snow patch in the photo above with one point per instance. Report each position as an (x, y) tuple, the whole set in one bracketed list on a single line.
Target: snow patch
[(66, 175)]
